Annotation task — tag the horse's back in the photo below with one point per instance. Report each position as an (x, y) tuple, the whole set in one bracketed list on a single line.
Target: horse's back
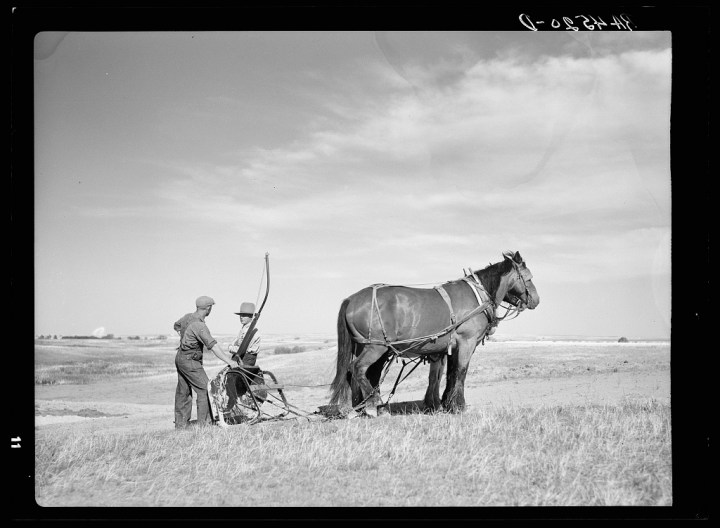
[(406, 312)]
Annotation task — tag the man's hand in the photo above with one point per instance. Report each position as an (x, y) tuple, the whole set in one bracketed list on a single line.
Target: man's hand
[(233, 348)]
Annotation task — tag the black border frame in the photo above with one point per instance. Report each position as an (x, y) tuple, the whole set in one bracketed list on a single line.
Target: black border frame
[(690, 130)]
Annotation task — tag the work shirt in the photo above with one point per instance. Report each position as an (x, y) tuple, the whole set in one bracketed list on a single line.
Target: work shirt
[(253, 347), (181, 324), (194, 333)]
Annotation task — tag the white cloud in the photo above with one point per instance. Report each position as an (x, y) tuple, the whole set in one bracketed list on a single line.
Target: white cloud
[(529, 151)]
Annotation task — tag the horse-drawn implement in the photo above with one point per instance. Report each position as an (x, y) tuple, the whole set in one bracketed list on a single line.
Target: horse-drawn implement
[(442, 325), (238, 393)]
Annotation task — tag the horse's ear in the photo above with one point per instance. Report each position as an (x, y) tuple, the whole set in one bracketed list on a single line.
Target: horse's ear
[(508, 255), (518, 258)]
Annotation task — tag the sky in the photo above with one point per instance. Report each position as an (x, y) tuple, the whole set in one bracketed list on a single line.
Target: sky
[(168, 163)]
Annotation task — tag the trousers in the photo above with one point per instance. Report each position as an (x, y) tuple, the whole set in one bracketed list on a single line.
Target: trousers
[(191, 377)]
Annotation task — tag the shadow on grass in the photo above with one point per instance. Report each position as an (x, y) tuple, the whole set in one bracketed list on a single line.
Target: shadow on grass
[(408, 407), (396, 409)]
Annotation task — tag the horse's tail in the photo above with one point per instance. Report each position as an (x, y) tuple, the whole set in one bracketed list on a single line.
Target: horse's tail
[(340, 387)]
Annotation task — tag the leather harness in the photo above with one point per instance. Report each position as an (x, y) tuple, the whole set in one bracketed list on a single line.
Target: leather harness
[(485, 305)]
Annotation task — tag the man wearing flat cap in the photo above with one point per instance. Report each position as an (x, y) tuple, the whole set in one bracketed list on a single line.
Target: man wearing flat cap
[(246, 313), (194, 336)]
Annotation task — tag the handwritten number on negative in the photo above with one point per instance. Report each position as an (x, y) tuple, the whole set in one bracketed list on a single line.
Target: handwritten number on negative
[(588, 21)]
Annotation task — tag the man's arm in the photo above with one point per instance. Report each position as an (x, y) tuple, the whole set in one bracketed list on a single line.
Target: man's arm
[(210, 343), (223, 356)]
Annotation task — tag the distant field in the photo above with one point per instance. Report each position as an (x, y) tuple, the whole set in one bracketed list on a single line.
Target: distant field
[(86, 361), (81, 361), (548, 423)]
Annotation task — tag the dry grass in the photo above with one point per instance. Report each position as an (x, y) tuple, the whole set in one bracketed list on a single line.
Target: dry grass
[(551, 456), (564, 455)]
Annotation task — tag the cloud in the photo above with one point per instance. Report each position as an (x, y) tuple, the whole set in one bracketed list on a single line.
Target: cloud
[(525, 150)]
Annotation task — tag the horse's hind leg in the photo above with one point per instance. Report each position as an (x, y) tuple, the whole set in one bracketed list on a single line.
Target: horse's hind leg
[(373, 375), (355, 389), (432, 395), (360, 367)]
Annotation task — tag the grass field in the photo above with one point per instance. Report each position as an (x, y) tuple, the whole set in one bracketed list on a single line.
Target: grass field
[(574, 453)]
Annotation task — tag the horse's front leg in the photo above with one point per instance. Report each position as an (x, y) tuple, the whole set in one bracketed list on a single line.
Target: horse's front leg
[(453, 399), (451, 376), (432, 399)]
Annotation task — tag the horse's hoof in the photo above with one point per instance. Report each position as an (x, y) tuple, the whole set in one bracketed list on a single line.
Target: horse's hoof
[(432, 407), (371, 411)]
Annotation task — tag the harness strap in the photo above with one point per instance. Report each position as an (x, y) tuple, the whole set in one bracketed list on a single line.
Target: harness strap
[(417, 362), (377, 309), (476, 288), (487, 306), (481, 295), (447, 300), (419, 341)]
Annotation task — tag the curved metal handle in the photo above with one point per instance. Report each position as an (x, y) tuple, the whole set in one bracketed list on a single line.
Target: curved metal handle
[(249, 334), (267, 284)]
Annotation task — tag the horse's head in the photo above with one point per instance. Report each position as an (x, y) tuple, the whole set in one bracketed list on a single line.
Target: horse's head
[(521, 291)]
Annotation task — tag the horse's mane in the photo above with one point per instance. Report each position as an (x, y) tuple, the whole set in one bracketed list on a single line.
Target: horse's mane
[(491, 274)]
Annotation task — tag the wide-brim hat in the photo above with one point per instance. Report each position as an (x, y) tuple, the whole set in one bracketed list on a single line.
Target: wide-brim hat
[(246, 308)]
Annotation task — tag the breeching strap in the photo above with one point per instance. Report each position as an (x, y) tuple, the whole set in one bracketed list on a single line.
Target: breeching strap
[(376, 309)]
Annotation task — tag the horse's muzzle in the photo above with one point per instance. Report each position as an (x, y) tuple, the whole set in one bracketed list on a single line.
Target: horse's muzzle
[(532, 302)]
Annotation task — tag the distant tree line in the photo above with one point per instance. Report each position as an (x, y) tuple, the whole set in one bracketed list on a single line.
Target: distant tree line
[(108, 336), (288, 350)]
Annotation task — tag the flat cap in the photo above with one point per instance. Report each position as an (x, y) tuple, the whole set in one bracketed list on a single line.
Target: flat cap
[(246, 308), (204, 301)]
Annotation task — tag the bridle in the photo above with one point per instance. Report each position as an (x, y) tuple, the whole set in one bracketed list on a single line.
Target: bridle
[(516, 303)]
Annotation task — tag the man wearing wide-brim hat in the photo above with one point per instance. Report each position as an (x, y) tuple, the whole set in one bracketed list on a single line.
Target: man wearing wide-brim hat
[(194, 337), (249, 357)]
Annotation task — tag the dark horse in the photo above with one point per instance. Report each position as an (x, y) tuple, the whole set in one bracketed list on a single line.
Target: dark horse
[(448, 320)]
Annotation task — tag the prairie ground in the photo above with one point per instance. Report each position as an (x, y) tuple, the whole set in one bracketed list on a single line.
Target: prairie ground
[(548, 423)]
